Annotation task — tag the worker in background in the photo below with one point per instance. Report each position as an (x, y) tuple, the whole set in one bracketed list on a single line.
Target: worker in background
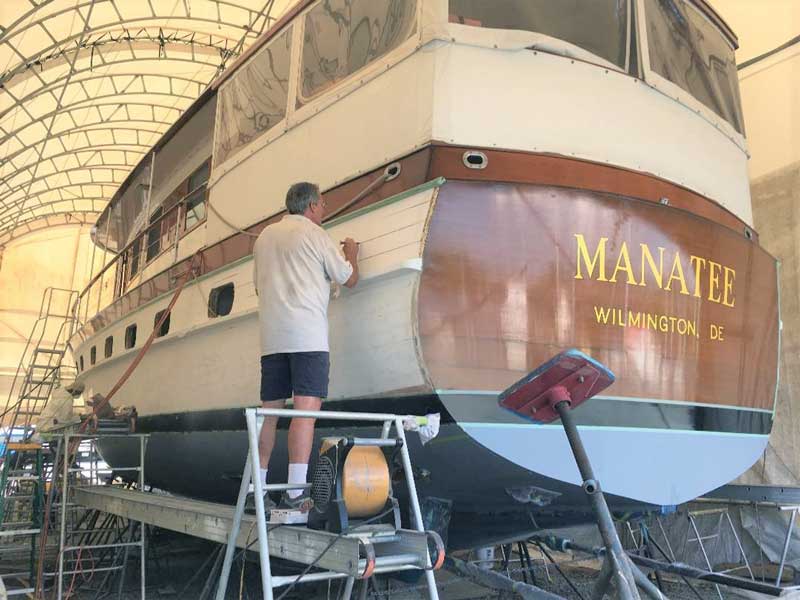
[(295, 262)]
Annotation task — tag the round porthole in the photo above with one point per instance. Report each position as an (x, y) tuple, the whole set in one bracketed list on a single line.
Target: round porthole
[(475, 160), (392, 171), (748, 233)]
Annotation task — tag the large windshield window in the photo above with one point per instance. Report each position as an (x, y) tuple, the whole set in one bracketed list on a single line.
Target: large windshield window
[(688, 50), (254, 99), (599, 26), (343, 36)]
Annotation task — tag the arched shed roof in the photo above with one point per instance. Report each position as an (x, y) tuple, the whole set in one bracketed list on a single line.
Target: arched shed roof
[(88, 86)]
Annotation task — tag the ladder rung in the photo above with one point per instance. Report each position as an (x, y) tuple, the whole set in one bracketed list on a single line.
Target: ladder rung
[(53, 367), (19, 591), (24, 446), (10, 532), (13, 498), (27, 478), (48, 351), (40, 381)]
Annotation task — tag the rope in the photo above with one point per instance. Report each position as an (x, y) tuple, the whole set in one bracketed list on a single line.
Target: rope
[(388, 174), (69, 452), (231, 225)]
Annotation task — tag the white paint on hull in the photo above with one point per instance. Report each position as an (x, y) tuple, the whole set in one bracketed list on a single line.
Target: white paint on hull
[(660, 466), (212, 363)]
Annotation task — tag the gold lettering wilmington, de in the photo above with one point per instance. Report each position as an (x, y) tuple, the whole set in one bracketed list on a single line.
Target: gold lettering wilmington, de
[(669, 271)]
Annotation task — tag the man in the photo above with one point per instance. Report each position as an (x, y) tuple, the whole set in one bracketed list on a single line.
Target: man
[(294, 263)]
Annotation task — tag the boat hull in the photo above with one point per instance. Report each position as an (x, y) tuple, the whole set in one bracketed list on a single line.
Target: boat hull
[(469, 286)]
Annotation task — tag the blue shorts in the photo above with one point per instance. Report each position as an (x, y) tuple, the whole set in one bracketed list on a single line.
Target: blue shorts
[(294, 373)]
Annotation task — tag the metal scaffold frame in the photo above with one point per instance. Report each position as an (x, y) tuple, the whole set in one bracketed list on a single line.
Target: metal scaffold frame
[(391, 563), (75, 476)]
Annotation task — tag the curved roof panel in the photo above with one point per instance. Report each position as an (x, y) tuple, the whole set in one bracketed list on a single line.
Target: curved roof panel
[(88, 86)]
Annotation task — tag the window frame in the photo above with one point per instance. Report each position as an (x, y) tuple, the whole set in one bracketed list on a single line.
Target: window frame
[(674, 91), (274, 132), (167, 323), (108, 347), (296, 115), (575, 52), (213, 298), (132, 327), (360, 74)]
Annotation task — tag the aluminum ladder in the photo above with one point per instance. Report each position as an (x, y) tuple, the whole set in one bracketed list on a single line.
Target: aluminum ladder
[(40, 366), (339, 556)]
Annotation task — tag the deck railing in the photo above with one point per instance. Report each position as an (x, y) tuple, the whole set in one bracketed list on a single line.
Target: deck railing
[(161, 236)]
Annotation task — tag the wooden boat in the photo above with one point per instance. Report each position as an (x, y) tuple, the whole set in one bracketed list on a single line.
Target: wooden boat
[(527, 179)]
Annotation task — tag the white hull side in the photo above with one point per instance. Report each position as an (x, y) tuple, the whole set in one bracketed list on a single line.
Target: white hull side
[(209, 363)]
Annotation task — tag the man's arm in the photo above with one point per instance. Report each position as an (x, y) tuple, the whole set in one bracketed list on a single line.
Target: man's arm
[(351, 255), (255, 271)]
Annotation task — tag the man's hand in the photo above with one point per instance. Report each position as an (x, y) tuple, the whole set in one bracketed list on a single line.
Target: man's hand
[(350, 247)]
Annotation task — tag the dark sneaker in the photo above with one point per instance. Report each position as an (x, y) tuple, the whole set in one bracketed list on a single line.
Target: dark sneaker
[(303, 502), (250, 504)]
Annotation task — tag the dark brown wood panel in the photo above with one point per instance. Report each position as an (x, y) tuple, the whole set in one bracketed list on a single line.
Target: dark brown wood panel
[(544, 169), (507, 285)]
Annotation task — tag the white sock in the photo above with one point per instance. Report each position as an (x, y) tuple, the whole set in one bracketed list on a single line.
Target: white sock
[(297, 474), (263, 478)]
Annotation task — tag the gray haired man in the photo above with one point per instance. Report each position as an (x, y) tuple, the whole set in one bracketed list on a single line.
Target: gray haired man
[(294, 263)]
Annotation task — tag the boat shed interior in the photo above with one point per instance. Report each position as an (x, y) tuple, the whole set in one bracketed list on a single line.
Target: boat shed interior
[(560, 351)]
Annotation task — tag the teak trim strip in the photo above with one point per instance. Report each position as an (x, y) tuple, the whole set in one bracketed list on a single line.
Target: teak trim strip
[(431, 167)]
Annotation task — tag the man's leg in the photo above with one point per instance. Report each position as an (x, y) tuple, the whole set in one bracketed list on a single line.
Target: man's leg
[(310, 382), (301, 431), (276, 386), (266, 439)]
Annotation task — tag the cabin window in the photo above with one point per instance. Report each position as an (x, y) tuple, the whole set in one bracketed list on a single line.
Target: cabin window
[(343, 36), (254, 99), (196, 200), (688, 50), (93, 355), (154, 235), (598, 26), (220, 301), (164, 329), (136, 251), (109, 346), (130, 336), (80, 363)]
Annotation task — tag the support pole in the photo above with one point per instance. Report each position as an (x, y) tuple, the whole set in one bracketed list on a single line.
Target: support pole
[(258, 492), (234, 532), (433, 593), (63, 533), (142, 528), (786, 546), (621, 568)]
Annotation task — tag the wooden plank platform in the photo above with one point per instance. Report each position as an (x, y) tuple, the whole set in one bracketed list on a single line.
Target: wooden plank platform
[(212, 521)]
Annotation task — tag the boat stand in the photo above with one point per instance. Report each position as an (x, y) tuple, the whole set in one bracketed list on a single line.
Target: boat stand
[(550, 392), (351, 555)]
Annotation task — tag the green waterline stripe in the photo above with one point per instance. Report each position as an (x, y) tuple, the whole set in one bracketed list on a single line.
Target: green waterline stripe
[(528, 426), (433, 183), (495, 394)]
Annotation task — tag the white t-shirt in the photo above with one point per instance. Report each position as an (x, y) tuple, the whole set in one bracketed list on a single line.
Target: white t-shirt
[(294, 261)]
